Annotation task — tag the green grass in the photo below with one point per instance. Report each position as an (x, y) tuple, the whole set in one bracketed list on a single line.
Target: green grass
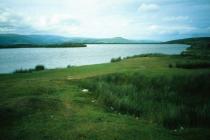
[(173, 101), (50, 104), (193, 64)]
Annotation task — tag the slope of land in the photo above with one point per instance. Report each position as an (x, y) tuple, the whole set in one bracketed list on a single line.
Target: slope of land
[(114, 40), (191, 41), (149, 97), (12, 39), (200, 47), (51, 104)]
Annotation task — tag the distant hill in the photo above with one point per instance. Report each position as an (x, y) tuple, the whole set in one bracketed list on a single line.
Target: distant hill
[(101, 40), (13, 39), (115, 40), (199, 47), (191, 41)]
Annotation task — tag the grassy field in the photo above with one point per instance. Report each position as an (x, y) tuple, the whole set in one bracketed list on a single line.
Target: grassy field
[(50, 104), (136, 98)]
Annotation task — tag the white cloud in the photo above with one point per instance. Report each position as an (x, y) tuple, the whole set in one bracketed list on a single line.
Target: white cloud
[(176, 18), (52, 21), (11, 22), (97, 18), (175, 29), (148, 7)]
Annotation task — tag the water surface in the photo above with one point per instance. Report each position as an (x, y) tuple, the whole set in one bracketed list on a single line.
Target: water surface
[(12, 59)]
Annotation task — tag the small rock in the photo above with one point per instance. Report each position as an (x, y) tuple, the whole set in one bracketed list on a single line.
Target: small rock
[(93, 101), (175, 130), (100, 119), (137, 118), (112, 108), (181, 128), (69, 78), (85, 90)]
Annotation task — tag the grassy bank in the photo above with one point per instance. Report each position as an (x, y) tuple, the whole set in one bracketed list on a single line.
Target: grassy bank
[(173, 101), (136, 98), (200, 47)]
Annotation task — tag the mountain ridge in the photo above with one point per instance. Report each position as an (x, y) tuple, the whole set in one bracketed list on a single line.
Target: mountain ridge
[(12, 39)]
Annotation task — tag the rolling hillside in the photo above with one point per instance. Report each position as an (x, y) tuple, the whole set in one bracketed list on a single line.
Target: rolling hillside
[(11, 39)]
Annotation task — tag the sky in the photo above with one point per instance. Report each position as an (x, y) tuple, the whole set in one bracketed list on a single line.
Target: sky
[(133, 19)]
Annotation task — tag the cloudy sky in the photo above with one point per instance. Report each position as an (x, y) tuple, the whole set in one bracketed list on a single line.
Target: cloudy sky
[(134, 19)]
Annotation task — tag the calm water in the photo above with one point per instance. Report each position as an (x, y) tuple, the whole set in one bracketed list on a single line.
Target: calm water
[(12, 59)]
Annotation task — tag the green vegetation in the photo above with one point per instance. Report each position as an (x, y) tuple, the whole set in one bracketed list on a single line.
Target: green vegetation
[(137, 98), (172, 101), (190, 41), (37, 68), (118, 59), (113, 60), (193, 64), (23, 70), (70, 66), (147, 55), (200, 47)]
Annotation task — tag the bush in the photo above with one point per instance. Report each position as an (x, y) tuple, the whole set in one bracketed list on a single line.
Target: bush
[(173, 101), (23, 70), (113, 60), (147, 55), (193, 64), (170, 65), (39, 68), (70, 66)]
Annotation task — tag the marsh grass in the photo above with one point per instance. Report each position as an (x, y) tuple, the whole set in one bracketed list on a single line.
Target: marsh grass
[(195, 64), (172, 101)]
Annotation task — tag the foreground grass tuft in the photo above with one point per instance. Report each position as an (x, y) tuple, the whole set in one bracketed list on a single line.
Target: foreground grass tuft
[(172, 101), (193, 64)]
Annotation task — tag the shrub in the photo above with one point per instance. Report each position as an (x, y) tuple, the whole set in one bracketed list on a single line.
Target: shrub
[(173, 101), (69, 66), (170, 65), (193, 64), (39, 68), (147, 55), (23, 70), (116, 59)]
